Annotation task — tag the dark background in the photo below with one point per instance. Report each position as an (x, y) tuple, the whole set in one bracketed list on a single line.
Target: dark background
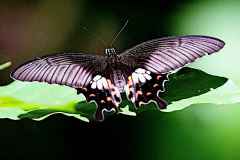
[(33, 28)]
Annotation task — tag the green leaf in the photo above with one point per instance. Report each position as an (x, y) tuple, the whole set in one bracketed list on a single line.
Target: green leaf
[(38, 100), (226, 94), (5, 65)]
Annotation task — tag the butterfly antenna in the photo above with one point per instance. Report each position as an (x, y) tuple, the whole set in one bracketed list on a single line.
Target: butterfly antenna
[(117, 34), (93, 35)]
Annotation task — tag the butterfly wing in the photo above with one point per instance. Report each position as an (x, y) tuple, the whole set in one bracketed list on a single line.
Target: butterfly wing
[(167, 54), (74, 70), (143, 87), (80, 71), (154, 59)]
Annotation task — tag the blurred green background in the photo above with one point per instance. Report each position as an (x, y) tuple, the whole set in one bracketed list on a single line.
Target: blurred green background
[(204, 131)]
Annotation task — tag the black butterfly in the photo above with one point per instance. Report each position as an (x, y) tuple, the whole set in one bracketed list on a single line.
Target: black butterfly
[(140, 71)]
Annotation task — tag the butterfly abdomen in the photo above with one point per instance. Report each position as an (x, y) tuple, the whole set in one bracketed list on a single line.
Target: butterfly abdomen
[(118, 79)]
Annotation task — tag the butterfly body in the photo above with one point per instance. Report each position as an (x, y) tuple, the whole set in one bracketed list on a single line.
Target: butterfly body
[(140, 72), (116, 71)]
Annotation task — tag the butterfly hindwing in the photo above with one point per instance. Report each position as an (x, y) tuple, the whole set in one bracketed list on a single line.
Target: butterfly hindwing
[(103, 92), (143, 87)]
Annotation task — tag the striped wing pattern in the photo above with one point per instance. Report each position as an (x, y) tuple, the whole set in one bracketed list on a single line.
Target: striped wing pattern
[(74, 70), (167, 54)]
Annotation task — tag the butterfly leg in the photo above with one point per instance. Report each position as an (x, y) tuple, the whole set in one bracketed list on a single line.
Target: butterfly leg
[(142, 91)]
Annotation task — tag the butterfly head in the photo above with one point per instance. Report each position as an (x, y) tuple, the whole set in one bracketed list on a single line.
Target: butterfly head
[(110, 52)]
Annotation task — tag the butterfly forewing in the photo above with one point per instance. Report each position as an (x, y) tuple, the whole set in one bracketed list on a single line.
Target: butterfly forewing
[(75, 70), (167, 54)]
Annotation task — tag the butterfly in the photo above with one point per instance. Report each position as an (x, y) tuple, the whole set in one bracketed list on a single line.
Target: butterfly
[(139, 72)]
